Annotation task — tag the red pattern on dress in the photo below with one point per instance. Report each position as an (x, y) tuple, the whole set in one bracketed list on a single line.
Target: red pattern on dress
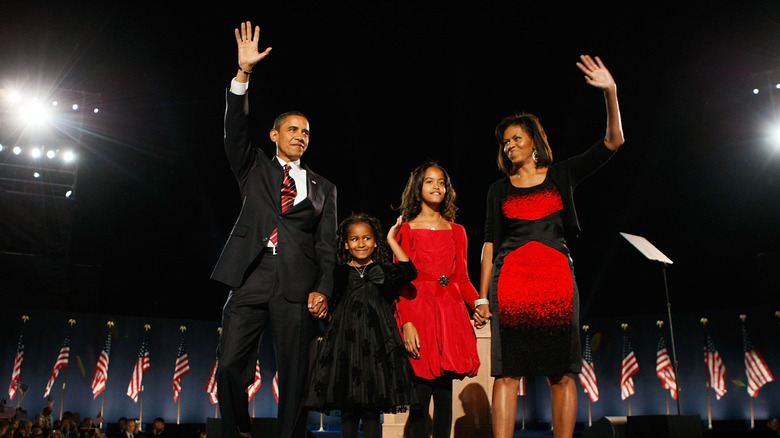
[(532, 206)]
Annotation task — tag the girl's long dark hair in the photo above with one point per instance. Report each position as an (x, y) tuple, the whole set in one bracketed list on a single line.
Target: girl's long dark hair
[(411, 199)]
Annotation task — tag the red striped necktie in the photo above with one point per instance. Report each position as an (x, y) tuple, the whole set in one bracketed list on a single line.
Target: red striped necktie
[(288, 197)]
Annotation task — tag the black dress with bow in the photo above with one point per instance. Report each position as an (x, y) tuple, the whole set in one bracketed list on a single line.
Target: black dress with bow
[(361, 361)]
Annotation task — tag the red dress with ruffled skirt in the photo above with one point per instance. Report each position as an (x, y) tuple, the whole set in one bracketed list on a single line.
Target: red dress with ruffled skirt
[(437, 306)]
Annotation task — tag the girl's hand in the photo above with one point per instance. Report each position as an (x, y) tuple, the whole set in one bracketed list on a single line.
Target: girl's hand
[(394, 229), (411, 340)]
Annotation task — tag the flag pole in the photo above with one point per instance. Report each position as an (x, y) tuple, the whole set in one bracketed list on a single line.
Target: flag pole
[(709, 407), (624, 326), (25, 318), (182, 329), (704, 322), (71, 323), (141, 405), (141, 410), (590, 417), (110, 325), (742, 318)]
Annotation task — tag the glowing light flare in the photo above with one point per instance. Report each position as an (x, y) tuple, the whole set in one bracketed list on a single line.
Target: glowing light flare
[(773, 136), (34, 113)]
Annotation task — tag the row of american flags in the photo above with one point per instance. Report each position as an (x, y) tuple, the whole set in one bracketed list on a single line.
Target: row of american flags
[(142, 365), (757, 371)]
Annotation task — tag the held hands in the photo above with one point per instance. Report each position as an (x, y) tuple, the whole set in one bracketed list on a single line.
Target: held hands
[(318, 305), (482, 315), (595, 72), (248, 54)]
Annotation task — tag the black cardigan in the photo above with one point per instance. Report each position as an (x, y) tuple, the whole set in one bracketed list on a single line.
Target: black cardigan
[(564, 175)]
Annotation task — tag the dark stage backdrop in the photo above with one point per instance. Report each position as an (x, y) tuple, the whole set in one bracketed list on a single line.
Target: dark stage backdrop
[(46, 329)]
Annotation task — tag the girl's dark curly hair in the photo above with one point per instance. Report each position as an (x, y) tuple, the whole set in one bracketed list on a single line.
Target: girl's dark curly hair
[(381, 252), (411, 199)]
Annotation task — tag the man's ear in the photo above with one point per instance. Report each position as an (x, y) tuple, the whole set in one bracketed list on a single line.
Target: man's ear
[(274, 135)]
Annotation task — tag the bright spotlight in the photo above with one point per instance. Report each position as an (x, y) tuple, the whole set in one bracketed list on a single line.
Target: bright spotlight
[(1, 148), (50, 153), (95, 110), (773, 137), (75, 106), (35, 152), (68, 156), (68, 193), (34, 113), (17, 150), (36, 175)]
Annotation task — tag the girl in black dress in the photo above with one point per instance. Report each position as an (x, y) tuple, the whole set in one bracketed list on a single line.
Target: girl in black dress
[(362, 368)]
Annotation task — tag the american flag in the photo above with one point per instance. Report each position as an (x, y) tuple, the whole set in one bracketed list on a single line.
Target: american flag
[(17, 371), (628, 368), (520, 388), (588, 374), (101, 369), (211, 384), (664, 369), (715, 367), (181, 369), (276, 386), (252, 389), (141, 366), (757, 371), (62, 361)]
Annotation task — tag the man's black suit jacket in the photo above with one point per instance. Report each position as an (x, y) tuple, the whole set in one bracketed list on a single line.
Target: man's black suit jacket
[(306, 231)]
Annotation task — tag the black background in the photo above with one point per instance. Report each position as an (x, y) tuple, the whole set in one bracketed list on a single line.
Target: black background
[(387, 86)]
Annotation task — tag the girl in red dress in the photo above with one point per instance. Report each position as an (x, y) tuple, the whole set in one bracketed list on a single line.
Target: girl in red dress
[(432, 311)]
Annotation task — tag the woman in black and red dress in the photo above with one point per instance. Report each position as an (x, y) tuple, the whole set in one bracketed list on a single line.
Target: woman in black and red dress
[(527, 278)]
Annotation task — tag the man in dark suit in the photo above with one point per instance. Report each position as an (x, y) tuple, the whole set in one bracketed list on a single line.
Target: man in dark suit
[(278, 260)]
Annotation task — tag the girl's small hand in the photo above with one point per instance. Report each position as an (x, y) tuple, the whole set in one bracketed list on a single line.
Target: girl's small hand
[(411, 340), (394, 229)]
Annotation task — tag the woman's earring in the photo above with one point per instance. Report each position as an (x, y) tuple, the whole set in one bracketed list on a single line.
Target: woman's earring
[(535, 156)]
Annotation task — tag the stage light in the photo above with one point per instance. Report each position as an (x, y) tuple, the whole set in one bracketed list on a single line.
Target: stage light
[(34, 113), (1, 148), (755, 91), (68, 156), (773, 137), (35, 152), (68, 193), (75, 107), (36, 175), (17, 150), (51, 154)]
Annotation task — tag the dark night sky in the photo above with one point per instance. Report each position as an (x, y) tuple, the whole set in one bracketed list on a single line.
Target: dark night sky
[(389, 85)]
